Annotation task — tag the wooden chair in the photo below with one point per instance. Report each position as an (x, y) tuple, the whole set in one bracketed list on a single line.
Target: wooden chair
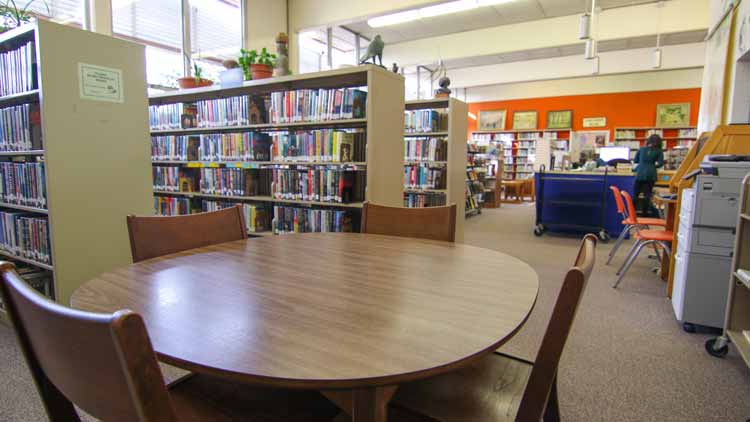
[(155, 236), (501, 387), (105, 364), (434, 223)]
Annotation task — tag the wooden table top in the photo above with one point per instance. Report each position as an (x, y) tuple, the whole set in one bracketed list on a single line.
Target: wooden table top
[(322, 310)]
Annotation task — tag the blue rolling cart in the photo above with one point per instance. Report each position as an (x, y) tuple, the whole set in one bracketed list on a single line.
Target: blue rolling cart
[(579, 202)]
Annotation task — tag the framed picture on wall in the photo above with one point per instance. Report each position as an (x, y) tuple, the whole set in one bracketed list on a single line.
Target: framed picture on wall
[(594, 122), (673, 115), (524, 120), (492, 120), (560, 119)]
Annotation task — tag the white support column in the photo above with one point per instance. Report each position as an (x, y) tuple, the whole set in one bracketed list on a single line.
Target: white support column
[(98, 16)]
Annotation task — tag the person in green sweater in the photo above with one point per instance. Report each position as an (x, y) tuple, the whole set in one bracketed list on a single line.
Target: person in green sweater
[(647, 160)]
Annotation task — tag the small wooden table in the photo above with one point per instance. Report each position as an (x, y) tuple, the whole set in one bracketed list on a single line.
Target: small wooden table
[(670, 209), (351, 315)]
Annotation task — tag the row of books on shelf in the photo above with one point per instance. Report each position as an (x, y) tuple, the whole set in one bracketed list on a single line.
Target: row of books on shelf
[(328, 145), (424, 199), (166, 116), (306, 220), (313, 105), (233, 182), (257, 217), (420, 176), (18, 70), (23, 184), (171, 206), (319, 184), (25, 235), (425, 149), (232, 111), (18, 130), (416, 121)]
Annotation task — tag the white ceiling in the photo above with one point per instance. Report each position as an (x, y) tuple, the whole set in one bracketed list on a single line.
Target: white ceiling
[(577, 49), (484, 17)]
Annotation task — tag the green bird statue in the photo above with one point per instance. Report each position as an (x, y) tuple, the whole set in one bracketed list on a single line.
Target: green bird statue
[(375, 49)]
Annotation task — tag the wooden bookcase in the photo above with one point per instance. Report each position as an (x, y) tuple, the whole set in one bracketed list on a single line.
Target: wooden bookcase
[(97, 162), (519, 145), (383, 126), (454, 129)]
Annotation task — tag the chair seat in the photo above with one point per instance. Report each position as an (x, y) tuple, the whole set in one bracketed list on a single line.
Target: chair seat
[(647, 222), (488, 390), (199, 398), (660, 235)]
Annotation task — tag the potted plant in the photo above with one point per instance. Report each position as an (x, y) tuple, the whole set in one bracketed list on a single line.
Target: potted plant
[(257, 65), (195, 81), (12, 16)]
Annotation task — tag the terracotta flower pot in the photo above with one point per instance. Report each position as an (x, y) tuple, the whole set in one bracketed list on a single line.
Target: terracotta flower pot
[(261, 71), (187, 83)]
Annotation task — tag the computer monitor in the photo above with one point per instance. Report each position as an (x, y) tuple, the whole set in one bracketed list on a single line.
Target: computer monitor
[(610, 153)]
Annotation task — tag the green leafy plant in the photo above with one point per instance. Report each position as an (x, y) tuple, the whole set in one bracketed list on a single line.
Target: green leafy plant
[(251, 57), (12, 15), (197, 72)]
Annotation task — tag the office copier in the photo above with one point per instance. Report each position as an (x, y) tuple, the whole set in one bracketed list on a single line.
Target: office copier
[(705, 241)]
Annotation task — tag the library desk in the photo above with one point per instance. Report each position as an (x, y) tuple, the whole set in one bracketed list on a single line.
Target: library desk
[(350, 315)]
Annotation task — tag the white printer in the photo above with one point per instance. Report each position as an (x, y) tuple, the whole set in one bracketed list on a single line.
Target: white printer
[(705, 241)]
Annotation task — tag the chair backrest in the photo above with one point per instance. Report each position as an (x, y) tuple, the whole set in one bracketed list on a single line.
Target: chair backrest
[(543, 373), (156, 236), (104, 363), (434, 223), (618, 201), (629, 206)]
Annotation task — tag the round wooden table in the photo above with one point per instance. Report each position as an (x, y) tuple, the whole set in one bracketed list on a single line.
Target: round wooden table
[(352, 315)]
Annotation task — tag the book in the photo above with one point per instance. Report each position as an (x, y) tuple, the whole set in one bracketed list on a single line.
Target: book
[(257, 217), (165, 117), (306, 220), (18, 71), (247, 146), (170, 206), (326, 145), (20, 128), (424, 199), (423, 176), (231, 111), (416, 121), (234, 182), (25, 235), (167, 148), (23, 184), (425, 149), (320, 184), (312, 105), (167, 178)]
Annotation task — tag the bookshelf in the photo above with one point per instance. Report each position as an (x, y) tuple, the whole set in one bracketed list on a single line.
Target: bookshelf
[(449, 132), (676, 141), (93, 166), (286, 148), (524, 151)]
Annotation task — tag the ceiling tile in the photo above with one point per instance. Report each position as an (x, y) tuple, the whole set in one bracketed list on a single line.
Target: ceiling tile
[(553, 8)]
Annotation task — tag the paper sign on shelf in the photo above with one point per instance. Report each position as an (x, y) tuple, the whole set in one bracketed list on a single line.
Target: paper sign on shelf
[(100, 83)]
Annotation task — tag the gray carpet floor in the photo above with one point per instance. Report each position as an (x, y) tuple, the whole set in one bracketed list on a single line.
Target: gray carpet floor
[(627, 359)]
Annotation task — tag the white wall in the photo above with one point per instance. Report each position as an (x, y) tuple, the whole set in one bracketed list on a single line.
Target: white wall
[(629, 82), (261, 28)]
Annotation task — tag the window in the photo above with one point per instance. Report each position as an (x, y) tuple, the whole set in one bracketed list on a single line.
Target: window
[(215, 34), (313, 51), (68, 12)]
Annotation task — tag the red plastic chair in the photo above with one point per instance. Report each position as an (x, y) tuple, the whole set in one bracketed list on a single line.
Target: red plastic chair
[(643, 238), (629, 221)]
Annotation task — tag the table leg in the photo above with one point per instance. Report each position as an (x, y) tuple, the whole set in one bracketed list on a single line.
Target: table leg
[(365, 404)]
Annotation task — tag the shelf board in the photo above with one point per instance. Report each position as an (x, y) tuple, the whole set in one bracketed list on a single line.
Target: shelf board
[(23, 208), (348, 123), (261, 199), (26, 260), (255, 164), (425, 134), (741, 343), (20, 98), (21, 153), (427, 104)]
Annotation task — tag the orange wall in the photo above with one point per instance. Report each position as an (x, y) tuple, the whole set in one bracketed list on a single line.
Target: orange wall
[(626, 109)]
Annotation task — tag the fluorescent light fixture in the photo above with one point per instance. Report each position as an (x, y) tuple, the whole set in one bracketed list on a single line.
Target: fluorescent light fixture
[(657, 59), (455, 6), (394, 19), (447, 8), (472, 116), (595, 66), (584, 27)]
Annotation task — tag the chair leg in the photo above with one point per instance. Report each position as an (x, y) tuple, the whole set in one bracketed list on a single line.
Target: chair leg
[(619, 241), (630, 252), (630, 261), (552, 412)]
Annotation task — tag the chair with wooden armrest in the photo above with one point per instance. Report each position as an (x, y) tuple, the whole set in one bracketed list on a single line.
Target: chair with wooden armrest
[(155, 236), (105, 365), (502, 387), (434, 223)]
